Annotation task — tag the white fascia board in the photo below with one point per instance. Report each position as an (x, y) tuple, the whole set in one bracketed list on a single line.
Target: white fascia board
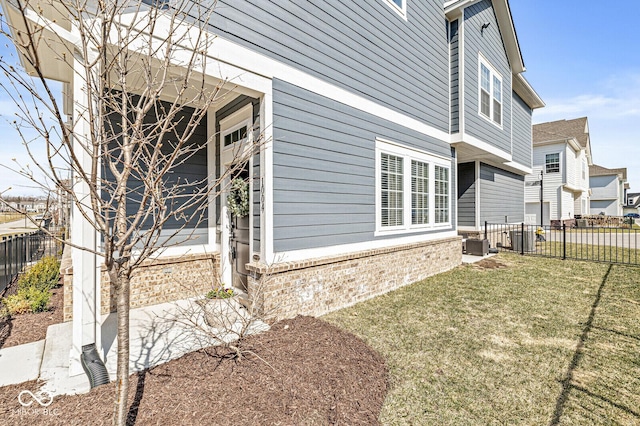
[(505, 22), (522, 87), (244, 63), (518, 168), (455, 7), (509, 37), (297, 255), (477, 143)]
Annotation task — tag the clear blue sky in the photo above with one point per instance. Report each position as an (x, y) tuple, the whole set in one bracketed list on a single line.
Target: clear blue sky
[(583, 59)]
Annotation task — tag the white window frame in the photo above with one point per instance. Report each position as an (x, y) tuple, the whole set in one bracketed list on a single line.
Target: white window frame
[(493, 74), (546, 164), (400, 10), (408, 154)]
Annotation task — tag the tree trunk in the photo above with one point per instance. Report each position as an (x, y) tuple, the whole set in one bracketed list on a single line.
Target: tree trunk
[(122, 374)]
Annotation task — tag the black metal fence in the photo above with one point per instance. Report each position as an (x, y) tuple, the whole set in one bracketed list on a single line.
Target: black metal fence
[(17, 251), (596, 244)]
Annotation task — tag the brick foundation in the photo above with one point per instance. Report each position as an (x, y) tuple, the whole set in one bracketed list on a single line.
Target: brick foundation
[(318, 286), (156, 281)]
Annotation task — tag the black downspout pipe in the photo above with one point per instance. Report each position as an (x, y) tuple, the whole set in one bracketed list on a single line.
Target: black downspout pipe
[(93, 366)]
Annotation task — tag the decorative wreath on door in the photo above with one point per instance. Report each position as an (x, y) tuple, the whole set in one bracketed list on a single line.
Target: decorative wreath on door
[(238, 198)]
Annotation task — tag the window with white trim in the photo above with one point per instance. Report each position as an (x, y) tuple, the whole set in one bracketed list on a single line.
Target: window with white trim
[(490, 93), (400, 6), (419, 192), (442, 194), (391, 190), (412, 189), (552, 163)]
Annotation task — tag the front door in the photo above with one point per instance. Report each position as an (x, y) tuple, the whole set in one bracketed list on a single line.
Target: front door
[(235, 143)]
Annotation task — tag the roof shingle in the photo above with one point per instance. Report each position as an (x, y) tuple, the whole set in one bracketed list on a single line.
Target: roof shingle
[(562, 129)]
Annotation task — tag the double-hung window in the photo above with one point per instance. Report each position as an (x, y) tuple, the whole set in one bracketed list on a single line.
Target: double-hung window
[(552, 163), (490, 93), (412, 189)]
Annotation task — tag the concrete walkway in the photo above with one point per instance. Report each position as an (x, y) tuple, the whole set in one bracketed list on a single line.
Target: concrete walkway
[(158, 334), (17, 227), (468, 259)]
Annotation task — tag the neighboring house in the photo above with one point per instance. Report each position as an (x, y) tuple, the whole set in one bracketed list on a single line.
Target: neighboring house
[(608, 190), (562, 159), (633, 203), (377, 115)]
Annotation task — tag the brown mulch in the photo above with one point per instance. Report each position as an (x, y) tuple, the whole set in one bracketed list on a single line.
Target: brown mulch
[(27, 328), (303, 371)]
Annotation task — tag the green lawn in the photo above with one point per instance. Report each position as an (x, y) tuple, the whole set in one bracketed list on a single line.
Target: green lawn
[(599, 253), (539, 341)]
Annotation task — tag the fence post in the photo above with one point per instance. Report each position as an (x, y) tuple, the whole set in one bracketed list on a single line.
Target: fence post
[(485, 230), (521, 238), (564, 241)]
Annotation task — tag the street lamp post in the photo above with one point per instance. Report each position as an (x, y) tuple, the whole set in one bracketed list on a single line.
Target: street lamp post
[(541, 199)]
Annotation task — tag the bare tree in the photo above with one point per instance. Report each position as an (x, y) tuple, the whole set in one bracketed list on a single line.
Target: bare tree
[(139, 87)]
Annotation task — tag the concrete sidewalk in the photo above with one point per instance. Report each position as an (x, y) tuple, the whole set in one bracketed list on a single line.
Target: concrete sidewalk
[(21, 363), (158, 334)]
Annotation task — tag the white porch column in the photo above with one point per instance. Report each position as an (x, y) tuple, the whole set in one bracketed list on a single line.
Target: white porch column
[(86, 310)]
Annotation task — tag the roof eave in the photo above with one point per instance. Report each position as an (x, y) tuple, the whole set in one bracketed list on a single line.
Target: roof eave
[(453, 8), (522, 87)]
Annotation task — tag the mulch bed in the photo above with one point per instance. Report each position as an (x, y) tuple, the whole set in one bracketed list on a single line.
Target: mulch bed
[(303, 371), (28, 328)]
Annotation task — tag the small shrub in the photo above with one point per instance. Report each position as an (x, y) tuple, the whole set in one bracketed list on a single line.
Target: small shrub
[(30, 299), (44, 275), (220, 293)]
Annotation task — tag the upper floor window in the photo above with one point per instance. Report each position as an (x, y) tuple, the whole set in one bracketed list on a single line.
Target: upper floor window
[(552, 163), (490, 93), (400, 6)]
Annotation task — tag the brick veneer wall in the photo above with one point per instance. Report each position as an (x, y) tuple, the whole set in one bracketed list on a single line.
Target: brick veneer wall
[(318, 286), (157, 281)]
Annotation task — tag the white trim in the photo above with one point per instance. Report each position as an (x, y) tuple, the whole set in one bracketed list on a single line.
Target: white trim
[(460, 138), (493, 73), (266, 224), (211, 172), (400, 10), (477, 199), (519, 167), (236, 118), (296, 255), (409, 153)]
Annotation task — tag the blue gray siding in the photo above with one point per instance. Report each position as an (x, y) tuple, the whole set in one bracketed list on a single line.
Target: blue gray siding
[(467, 194), (489, 43), (455, 81), (189, 175), (324, 169), (522, 139), (363, 47), (501, 195)]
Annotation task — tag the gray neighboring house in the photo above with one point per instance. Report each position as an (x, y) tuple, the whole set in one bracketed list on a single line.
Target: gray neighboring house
[(609, 190), (633, 203), (392, 125)]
